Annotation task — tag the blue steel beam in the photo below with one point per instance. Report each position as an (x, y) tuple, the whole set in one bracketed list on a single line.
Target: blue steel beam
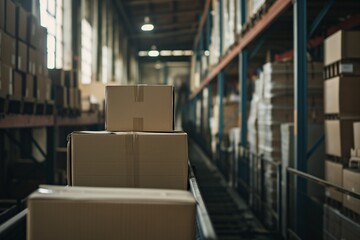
[(243, 58), (300, 111), (320, 17)]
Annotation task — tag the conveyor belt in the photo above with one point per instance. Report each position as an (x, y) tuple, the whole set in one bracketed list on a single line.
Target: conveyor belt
[(231, 217)]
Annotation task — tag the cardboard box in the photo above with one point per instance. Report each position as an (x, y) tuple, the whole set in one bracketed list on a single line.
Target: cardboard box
[(5, 80), (2, 14), (128, 159), (21, 60), (32, 63), (341, 45), (21, 23), (340, 95), (57, 76), (33, 30), (140, 108), (10, 18), (7, 49), (339, 137), (29, 86), (351, 181), (18, 84), (357, 135), (334, 174), (103, 213)]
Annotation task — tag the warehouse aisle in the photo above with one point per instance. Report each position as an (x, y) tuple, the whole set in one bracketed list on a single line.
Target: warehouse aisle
[(231, 217)]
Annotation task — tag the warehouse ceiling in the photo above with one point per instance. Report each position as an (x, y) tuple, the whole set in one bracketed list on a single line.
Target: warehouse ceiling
[(175, 22)]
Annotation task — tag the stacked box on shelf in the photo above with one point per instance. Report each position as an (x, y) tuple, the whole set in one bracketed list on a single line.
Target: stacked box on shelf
[(275, 108), (341, 86)]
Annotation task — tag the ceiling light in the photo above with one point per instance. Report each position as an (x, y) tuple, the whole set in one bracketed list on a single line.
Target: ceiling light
[(206, 53), (188, 52), (177, 53), (165, 53), (143, 53), (153, 52), (147, 26)]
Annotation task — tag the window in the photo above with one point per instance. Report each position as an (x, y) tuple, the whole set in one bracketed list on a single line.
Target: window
[(51, 17), (86, 48)]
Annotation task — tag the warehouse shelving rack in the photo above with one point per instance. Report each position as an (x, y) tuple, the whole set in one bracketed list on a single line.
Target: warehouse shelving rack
[(251, 33), (18, 129)]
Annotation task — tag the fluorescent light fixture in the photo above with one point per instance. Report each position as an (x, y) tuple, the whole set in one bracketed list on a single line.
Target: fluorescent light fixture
[(177, 53), (188, 53), (153, 53), (143, 53), (165, 53), (147, 26), (207, 53)]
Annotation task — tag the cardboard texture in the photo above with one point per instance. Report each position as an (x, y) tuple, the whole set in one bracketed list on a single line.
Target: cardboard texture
[(21, 59), (140, 108), (7, 49), (129, 159), (351, 181), (21, 28), (29, 86), (18, 85), (10, 18), (32, 63), (357, 135), (2, 14), (341, 45), (339, 137), (33, 30), (334, 174), (5, 80), (103, 213), (340, 95)]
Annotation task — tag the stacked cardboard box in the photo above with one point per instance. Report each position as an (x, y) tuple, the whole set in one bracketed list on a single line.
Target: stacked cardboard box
[(341, 85), (275, 107), (22, 54), (109, 213), (140, 149)]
